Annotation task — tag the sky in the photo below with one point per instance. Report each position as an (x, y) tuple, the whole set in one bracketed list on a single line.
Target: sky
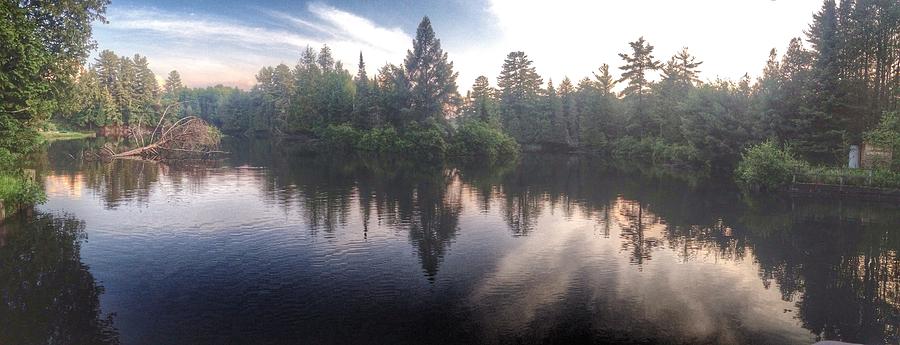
[(227, 41)]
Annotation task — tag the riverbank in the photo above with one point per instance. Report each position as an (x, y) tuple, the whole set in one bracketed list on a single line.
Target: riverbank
[(821, 190), (18, 190), (65, 135)]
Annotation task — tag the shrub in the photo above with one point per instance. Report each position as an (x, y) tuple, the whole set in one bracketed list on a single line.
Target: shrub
[(880, 178), (341, 137), (382, 140), (767, 166), (479, 139), (887, 135), (17, 190), (653, 150), (423, 143)]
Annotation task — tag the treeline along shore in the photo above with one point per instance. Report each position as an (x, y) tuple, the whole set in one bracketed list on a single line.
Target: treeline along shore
[(838, 86)]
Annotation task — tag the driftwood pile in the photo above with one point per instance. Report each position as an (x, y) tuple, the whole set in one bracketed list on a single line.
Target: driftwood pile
[(189, 137)]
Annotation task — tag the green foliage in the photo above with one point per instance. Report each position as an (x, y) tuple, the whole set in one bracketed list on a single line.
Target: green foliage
[(433, 81), (17, 190), (818, 99), (880, 178), (478, 139), (341, 137), (652, 150), (44, 43), (636, 66), (887, 135), (481, 102), (421, 142), (381, 139), (426, 142), (520, 89), (57, 135), (768, 166)]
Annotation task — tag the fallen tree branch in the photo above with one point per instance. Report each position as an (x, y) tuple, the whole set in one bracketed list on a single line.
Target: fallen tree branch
[(187, 137)]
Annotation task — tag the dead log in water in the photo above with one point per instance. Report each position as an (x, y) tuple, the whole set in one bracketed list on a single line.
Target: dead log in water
[(188, 137)]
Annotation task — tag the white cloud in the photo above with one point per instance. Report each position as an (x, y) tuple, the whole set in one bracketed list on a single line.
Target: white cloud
[(209, 50), (206, 30), (359, 29)]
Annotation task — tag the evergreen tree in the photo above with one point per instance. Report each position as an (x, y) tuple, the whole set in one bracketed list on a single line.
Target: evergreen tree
[(679, 75), (682, 69), (107, 66), (636, 66), (828, 95), (520, 88), (433, 89), (93, 106), (124, 93), (173, 84), (172, 93), (364, 114), (481, 102), (307, 80), (555, 131), (282, 92), (596, 125), (267, 93), (393, 92), (605, 81), (144, 90), (325, 60), (635, 69), (569, 110)]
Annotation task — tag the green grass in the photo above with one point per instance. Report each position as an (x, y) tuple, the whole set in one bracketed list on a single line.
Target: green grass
[(17, 190), (879, 178), (55, 135), (769, 166)]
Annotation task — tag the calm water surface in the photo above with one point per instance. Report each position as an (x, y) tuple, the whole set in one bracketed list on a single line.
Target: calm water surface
[(270, 247)]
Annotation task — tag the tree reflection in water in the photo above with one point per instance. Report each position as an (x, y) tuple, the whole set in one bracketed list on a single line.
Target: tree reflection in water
[(48, 294), (837, 263)]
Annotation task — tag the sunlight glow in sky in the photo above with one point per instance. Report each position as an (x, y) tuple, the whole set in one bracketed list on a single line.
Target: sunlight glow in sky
[(227, 42)]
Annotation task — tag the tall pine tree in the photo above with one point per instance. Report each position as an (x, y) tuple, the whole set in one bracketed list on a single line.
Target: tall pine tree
[(520, 89), (433, 89)]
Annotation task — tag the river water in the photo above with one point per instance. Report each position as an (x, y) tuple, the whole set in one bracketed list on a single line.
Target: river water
[(273, 247)]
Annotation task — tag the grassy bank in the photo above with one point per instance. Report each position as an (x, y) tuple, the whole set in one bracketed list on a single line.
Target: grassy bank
[(768, 166), (18, 189), (879, 178), (64, 135)]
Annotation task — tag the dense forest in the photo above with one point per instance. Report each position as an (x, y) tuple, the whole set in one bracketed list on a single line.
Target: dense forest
[(820, 95), (838, 86)]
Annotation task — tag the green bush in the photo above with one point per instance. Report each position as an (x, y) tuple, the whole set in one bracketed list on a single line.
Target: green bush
[(414, 141), (653, 150), (767, 166), (423, 142), (17, 190), (479, 139), (887, 135), (341, 137), (382, 139)]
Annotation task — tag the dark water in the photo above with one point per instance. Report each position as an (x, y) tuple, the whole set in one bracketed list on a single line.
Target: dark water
[(269, 247)]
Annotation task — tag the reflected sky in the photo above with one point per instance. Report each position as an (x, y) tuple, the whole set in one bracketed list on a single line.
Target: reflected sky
[(546, 249)]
